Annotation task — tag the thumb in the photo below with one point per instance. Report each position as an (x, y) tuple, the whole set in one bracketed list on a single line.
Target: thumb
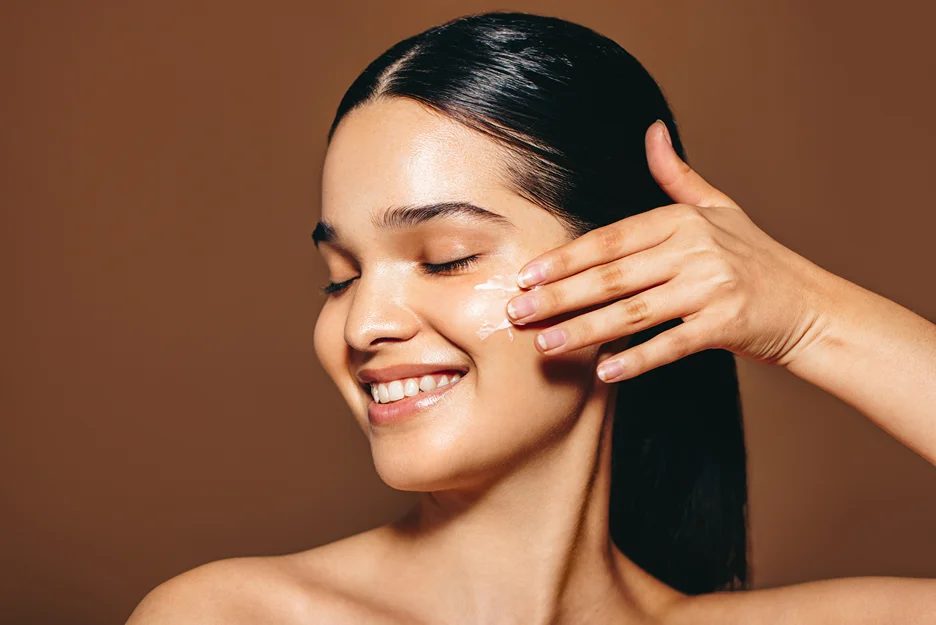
[(674, 176)]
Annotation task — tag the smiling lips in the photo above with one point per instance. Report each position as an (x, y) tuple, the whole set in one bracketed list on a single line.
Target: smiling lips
[(403, 391), (395, 390), (407, 386)]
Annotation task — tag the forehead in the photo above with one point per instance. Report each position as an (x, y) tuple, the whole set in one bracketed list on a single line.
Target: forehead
[(396, 151)]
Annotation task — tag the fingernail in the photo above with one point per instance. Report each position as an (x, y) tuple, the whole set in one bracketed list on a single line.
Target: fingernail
[(521, 307), (551, 339), (610, 370), (666, 133), (531, 275)]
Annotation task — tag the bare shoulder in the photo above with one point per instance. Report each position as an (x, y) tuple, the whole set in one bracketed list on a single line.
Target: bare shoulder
[(256, 590), (314, 586), (855, 600)]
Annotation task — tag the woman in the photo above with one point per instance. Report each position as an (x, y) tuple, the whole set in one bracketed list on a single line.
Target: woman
[(532, 312)]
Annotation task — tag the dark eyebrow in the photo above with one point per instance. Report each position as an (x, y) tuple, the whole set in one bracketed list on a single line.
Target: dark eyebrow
[(398, 217), (409, 216), (323, 233)]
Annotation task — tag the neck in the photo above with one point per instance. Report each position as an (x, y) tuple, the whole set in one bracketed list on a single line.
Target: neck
[(533, 547)]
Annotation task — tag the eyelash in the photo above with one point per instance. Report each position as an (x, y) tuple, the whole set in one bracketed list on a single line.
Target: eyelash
[(462, 263), (454, 265)]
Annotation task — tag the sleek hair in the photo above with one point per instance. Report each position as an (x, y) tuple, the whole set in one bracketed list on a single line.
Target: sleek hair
[(571, 108)]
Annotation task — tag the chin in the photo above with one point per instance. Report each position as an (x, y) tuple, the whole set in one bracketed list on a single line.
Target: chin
[(469, 435), (423, 459), (457, 454), (417, 472)]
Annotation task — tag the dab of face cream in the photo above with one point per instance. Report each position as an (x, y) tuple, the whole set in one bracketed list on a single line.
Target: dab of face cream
[(490, 305)]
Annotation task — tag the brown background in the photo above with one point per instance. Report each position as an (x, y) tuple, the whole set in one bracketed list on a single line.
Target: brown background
[(161, 403)]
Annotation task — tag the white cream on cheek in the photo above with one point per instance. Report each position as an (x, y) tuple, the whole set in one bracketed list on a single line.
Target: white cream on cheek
[(489, 305)]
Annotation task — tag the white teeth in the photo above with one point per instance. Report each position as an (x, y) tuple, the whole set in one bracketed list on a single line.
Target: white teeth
[(384, 393), (396, 390)]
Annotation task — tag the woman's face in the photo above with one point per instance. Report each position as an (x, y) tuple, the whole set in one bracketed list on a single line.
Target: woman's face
[(405, 314)]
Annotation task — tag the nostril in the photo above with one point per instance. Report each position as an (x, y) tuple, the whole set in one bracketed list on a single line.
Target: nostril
[(386, 339), (379, 326)]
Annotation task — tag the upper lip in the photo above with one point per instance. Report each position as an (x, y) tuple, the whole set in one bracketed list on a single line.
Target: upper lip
[(401, 372)]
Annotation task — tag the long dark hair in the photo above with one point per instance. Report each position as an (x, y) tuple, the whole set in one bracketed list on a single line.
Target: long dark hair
[(572, 107)]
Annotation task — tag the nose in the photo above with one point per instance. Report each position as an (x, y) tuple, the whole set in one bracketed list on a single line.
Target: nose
[(379, 313)]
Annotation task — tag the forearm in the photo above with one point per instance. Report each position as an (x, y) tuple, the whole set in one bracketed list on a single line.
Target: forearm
[(878, 357)]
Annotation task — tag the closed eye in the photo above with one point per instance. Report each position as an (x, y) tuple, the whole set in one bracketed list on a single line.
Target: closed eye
[(336, 287), (333, 288), (455, 265)]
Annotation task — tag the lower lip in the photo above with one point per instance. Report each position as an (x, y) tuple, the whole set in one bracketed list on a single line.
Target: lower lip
[(384, 414)]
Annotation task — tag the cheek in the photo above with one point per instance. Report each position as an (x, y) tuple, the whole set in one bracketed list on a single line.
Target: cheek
[(520, 398), (473, 313), (474, 317), (486, 306), (505, 353)]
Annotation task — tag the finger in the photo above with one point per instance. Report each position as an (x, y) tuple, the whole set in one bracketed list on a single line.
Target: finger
[(596, 285), (601, 245), (666, 347), (622, 318), (675, 176)]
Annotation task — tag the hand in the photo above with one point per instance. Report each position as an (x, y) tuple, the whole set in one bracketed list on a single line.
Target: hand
[(702, 260)]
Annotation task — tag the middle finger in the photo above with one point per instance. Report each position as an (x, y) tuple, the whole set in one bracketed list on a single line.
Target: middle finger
[(595, 285)]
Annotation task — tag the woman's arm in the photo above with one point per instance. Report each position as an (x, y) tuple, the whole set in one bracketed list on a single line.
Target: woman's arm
[(703, 260), (878, 357)]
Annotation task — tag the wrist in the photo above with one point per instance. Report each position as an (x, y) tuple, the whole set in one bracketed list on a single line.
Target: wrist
[(829, 302)]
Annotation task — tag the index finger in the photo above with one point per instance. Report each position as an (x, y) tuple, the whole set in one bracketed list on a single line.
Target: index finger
[(599, 246)]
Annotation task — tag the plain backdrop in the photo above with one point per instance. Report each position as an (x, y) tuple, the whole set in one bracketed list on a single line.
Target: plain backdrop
[(161, 405)]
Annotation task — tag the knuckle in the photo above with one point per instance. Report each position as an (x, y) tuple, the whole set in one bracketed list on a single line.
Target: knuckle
[(552, 298), (679, 344), (723, 277), (636, 310), (727, 280), (582, 332), (703, 242), (609, 239), (610, 280), (561, 262), (637, 357)]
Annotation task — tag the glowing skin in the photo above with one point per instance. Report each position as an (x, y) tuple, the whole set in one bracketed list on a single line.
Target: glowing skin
[(491, 304), (512, 461), (512, 399)]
